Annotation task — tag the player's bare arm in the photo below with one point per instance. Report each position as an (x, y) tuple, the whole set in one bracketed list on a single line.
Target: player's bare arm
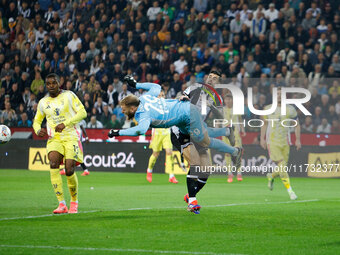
[(85, 134)]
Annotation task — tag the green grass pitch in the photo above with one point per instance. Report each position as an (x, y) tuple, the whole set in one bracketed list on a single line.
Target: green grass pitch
[(123, 214)]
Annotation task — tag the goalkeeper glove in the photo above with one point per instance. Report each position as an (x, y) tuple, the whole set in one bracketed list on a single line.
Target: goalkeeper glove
[(113, 132), (130, 81)]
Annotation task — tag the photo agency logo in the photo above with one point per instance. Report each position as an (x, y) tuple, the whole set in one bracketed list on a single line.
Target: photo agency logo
[(280, 102)]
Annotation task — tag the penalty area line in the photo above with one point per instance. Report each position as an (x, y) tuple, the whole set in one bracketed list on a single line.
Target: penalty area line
[(163, 208), (112, 249)]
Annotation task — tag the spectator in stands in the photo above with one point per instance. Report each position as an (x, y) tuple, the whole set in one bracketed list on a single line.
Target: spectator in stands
[(114, 122), (324, 127), (8, 115), (124, 92), (94, 123), (36, 83), (258, 25), (307, 126), (104, 43), (24, 121), (153, 11), (106, 115), (180, 63), (308, 22), (335, 127)]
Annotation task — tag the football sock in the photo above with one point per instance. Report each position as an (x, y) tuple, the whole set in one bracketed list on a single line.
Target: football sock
[(72, 183), (169, 166), (200, 183), (57, 184), (171, 175), (284, 175), (152, 162), (275, 174), (222, 146), (217, 132), (191, 199), (192, 183), (83, 166)]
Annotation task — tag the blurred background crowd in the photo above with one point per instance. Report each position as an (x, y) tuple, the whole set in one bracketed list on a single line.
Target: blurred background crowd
[(92, 44)]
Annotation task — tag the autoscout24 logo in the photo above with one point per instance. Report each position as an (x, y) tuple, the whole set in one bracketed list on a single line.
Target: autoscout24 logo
[(239, 109)]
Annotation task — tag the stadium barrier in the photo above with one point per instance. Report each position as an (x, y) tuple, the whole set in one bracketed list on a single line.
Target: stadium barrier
[(312, 161)]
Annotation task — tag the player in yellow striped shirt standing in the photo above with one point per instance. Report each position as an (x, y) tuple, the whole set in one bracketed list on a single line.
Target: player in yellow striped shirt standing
[(276, 138), (63, 111)]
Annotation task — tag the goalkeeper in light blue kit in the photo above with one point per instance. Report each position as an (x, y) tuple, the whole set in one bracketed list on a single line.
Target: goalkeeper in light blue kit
[(151, 111)]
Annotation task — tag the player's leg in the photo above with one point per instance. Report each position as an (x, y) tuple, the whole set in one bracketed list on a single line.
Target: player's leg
[(169, 165), (62, 169), (156, 146), (152, 162), (73, 155), (83, 166), (238, 144), (191, 155), (72, 183), (169, 161), (177, 139), (275, 156), (198, 132), (85, 170), (55, 157), (228, 163), (205, 161), (225, 132), (284, 172)]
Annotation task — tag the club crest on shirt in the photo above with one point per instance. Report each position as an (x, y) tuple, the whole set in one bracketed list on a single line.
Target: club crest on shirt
[(57, 111)]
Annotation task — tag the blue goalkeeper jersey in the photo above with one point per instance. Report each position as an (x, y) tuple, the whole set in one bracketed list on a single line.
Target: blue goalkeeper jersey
[(158, 112)]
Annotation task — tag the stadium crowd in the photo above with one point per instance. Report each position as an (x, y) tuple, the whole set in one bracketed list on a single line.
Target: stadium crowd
[(92, 44)]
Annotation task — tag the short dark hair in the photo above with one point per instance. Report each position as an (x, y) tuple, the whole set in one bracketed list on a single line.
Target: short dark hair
[(53, 75), (218, 73)]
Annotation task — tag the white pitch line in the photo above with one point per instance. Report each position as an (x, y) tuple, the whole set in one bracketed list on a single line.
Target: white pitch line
[(43, 216), (113, 250), (163, 208), (267, 203)]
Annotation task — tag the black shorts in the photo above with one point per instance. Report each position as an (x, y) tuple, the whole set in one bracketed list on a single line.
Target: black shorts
[(180, 141)]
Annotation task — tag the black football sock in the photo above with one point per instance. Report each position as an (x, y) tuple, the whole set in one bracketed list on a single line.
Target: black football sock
[(192, 183), (83, 166), (200, 183)]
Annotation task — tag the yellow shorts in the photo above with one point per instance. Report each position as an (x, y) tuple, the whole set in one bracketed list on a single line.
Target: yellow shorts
[(278, 152), (72, 149), (160, 142)]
